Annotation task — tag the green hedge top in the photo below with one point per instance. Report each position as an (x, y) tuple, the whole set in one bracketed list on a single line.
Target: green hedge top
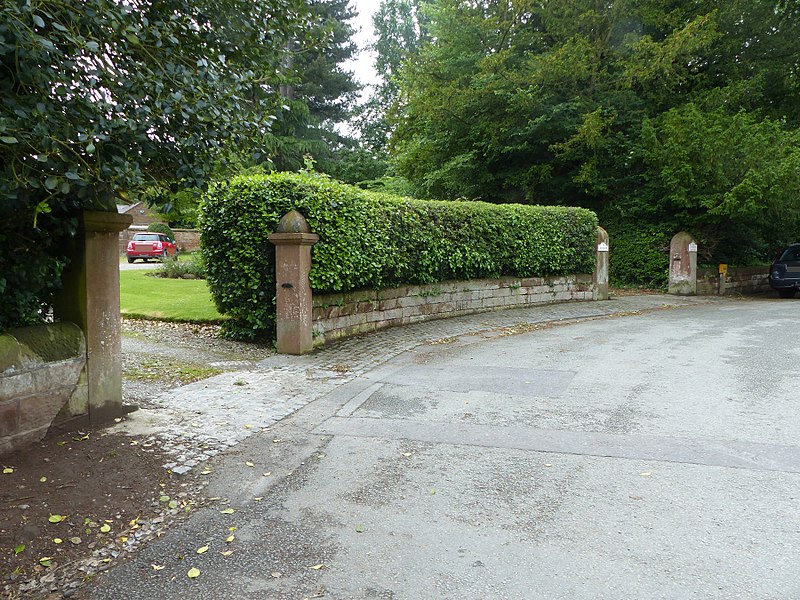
[(370, 240)]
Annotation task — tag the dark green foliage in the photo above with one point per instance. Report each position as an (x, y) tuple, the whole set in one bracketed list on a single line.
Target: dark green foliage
[(640, 255), (162, 228), (31, 264), (684, 112), (372, 241)]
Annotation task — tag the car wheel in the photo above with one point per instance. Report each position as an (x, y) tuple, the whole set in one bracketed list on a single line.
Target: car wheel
[(130, 260), (787, 293)]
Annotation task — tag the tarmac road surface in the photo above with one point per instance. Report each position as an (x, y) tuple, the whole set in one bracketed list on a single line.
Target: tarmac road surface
[(649, 456)]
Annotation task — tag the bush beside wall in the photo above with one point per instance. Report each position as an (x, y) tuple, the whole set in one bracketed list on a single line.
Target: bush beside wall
[(370, 240)]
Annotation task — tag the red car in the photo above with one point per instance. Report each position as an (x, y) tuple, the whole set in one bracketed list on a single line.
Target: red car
[(151, 245)]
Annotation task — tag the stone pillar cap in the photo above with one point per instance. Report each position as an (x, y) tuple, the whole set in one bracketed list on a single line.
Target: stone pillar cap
[(293, 222)]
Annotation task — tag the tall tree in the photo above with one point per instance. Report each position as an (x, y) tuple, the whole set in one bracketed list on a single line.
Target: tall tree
[(400, 27), (320, 93)]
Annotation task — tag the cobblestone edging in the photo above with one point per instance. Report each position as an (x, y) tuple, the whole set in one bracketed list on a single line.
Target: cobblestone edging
[(341, 315)]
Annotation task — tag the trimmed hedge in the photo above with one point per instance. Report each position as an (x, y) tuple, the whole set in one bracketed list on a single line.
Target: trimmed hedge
[(371, 240)]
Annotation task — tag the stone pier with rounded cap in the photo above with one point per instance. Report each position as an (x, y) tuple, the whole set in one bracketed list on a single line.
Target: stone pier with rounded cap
[(293, 241)]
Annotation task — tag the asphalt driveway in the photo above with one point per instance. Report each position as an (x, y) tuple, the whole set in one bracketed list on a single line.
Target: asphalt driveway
[(652, 455)]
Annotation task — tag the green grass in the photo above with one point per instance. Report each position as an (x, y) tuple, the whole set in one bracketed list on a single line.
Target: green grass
[(180, 300)]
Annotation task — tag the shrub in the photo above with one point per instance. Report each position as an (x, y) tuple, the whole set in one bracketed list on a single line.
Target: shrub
[(370, 240), (192, 268), (162, 228)]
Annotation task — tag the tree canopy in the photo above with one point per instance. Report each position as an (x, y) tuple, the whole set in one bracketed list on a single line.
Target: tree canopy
[(681, 113)]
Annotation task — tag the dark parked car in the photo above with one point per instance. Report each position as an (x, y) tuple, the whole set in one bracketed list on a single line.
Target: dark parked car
[(151, 245), (784, 274)]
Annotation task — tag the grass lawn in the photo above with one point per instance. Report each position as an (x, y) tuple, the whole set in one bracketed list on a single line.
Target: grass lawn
[(182, 300)]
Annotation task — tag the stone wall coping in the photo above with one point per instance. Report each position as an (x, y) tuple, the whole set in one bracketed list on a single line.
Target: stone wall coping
[(297, 239), (32, 347)]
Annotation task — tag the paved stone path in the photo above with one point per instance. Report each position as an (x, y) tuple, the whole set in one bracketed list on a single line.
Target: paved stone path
[(196, 422)]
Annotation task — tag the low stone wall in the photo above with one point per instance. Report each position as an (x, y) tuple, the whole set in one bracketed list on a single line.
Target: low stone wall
[(739, 280), (42, 381), (336, 316)]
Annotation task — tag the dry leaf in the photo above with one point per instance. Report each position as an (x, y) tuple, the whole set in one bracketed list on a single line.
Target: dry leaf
[(227, 511), (229, 539), (105, 528), (157, 567), (192, 573), (56, 518), (258, 498), (202, 549), (646, 474), (42, 479), (406, 454), (249, 464), (57, 540), (318, 567), (227, 553)]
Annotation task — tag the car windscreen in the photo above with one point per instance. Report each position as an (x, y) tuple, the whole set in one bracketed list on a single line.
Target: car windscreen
[(144, 237), (790, 254)]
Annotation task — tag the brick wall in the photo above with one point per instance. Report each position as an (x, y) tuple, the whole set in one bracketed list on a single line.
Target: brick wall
[(188, 239), (342, 315)]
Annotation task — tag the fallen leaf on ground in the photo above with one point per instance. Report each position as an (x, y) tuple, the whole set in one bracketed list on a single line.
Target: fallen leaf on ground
[(318, 567), (105, 528), (258, 498), (193, 572), (275, 574), (229, 539), (46, 561), (42, 479), (19, 549), (227, 553), (205, 472), (57, 540), (56, 518), (646, 474), (75, 540), (249, 464), (227, 511), (406, 454), (157, 567), (202, 549)]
